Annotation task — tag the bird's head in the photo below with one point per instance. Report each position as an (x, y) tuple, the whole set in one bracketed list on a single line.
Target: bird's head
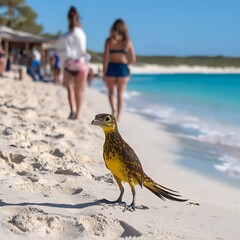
[(106, 121)]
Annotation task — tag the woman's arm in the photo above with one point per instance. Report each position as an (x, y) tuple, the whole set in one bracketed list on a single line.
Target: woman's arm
[(105, 58), (132, 56)]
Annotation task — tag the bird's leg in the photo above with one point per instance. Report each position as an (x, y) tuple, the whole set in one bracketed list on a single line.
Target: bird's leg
[(119, 200), (132, 206)]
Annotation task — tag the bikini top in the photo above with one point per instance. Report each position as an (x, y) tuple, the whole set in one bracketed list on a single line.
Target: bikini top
[(118, 51)]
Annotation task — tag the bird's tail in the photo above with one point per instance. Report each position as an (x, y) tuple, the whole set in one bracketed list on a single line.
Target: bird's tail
[(161, 191)]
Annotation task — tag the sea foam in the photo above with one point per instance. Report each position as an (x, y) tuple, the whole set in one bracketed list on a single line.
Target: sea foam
[(229, 165)]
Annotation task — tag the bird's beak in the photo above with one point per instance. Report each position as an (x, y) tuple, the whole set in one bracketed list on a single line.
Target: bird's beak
[(96, 122)]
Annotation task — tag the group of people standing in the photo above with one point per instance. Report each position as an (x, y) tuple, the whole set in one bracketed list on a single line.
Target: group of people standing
[(118, 54)]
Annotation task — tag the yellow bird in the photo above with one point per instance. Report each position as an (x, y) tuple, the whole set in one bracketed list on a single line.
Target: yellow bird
[(124, 164)]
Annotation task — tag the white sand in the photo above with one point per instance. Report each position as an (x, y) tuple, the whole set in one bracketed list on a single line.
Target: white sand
[(52, 172), (155, 69)]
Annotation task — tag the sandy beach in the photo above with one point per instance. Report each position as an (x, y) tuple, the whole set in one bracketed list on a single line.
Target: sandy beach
[(52, 175)]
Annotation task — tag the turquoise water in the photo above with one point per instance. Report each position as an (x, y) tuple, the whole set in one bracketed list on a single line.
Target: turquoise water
[(214, 96)]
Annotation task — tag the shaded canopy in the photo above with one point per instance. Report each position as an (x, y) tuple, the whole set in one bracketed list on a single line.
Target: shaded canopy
[(19, 36)]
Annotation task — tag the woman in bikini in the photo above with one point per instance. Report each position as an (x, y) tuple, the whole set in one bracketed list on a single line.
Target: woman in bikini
[(118, 54)]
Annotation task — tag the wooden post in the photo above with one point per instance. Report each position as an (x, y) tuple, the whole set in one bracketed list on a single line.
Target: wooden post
[(6, 47), (27, 47)]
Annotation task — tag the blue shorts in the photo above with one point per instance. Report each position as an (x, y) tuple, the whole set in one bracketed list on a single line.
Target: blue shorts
[(117, 70)]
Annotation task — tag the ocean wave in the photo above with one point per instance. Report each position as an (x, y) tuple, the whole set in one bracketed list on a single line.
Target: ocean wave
[(230, 165), (227, 139), (191, 127), (130, 94)]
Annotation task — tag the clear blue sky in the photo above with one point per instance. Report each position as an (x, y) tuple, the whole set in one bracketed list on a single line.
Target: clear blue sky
[(156, 27)]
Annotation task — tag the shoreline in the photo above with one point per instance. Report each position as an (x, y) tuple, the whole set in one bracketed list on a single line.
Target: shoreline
[(188, 151), (182, 69), (52, 174)]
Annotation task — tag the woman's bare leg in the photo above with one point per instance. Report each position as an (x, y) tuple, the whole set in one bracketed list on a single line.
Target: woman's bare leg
[(2, 66), (111, 82), (69, 84), (81, 80), (121, 87), (57, 76)]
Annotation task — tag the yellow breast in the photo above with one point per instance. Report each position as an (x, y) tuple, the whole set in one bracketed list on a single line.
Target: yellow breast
[(116, 166)]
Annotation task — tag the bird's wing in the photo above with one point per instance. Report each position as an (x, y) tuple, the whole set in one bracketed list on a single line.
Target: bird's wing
[(133, 164)]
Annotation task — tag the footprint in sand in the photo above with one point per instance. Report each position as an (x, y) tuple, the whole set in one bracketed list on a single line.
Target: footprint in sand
[(31, 177), (104, 178), (77, 191), (12, 158), (56, 136), (67, 172), (16, 158), (31, 220), (32, 187), (72, 168), (8, 131), (39, 146), (58, 153)]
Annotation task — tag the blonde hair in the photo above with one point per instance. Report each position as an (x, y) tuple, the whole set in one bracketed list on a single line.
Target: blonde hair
[(119, 28)]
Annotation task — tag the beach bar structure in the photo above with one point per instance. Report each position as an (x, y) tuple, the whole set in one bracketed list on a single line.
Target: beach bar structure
[(20, 43)]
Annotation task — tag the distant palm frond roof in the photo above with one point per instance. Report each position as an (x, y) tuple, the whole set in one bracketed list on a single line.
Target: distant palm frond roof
[(19, 36)]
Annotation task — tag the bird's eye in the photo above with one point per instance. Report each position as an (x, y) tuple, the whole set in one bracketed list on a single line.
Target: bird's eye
[(107, 119)]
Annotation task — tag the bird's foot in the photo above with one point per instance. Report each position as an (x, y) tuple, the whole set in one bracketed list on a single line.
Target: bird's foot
[(130, 207), (116, 202)]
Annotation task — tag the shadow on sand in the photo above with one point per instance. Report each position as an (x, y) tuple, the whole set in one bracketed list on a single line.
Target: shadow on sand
[(55, 205)]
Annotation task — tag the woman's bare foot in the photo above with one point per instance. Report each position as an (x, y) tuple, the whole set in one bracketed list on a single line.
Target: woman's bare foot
[(72, 116)]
